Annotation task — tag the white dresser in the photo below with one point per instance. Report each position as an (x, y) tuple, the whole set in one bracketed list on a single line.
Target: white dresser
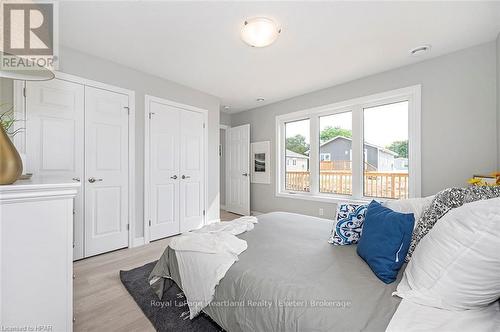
[(36, 255)]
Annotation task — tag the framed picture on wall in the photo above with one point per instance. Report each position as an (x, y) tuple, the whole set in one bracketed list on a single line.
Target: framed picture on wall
[(261, 162)]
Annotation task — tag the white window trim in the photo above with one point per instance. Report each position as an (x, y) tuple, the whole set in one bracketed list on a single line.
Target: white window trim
[(412, 94)]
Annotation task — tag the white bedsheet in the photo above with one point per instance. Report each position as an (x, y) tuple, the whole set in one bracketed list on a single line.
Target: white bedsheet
[(412, 317), (205, 255), (235, 227)]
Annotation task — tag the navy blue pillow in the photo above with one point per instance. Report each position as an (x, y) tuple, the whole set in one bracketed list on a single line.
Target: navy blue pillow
[(385, 240)]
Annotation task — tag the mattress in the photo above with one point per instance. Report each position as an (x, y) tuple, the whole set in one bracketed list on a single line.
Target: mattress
[(291, 279)]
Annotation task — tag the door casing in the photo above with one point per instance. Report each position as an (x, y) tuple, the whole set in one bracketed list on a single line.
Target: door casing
[(243, 209), (147, 176), (19, 104)]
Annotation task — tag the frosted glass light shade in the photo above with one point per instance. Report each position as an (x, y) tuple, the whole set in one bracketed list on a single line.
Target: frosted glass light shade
[(260, 32)]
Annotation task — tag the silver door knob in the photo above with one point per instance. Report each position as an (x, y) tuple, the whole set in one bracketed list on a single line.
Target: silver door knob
[(174, 177), (76, 179), (92, 180), (185, 177), (245, 174)]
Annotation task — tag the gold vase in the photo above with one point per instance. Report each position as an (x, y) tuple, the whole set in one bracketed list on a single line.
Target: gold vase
[(11, 166)]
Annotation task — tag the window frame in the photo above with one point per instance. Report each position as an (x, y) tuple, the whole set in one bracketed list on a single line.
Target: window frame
[(412, 94)]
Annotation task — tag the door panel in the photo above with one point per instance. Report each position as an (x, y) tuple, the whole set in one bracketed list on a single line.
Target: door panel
[(108, 136), (60, 133), (164, 170), (107, 220), (106, 170), (192, 170), (54, 140), (166, 212), (238, 170)]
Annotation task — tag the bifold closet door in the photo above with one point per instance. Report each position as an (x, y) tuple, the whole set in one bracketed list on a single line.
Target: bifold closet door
[(164, 170), (54, 140), (106, 171), (176, 167)]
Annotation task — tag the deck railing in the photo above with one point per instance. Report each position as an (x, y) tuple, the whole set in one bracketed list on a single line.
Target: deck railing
[(342, 165), (376, 184)]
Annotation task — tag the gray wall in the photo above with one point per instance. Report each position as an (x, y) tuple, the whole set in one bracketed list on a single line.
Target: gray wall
[(98, 69), (459, 119), (6, 92), (225, 119)]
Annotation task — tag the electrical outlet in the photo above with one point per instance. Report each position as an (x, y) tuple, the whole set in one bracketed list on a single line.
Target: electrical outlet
[(321, 212)]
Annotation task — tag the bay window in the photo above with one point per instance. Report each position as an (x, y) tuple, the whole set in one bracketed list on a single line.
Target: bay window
[(354, 150)]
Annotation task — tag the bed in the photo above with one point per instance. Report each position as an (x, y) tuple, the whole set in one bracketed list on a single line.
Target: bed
[(291, 279)]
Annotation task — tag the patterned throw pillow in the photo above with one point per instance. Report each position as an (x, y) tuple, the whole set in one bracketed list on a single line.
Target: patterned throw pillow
[(348, 225), (443, 202)]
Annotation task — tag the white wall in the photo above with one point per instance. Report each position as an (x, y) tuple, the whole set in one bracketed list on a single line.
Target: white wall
[(459, 119), (98, 69)]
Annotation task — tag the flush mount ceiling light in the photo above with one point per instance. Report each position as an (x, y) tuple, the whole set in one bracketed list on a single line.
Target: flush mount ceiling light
[(420, 50), (260, 99), (227, 108), (260, 31)]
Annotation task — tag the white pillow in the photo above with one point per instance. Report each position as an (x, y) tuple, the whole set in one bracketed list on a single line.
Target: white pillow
[(457, 264), (416, 206)]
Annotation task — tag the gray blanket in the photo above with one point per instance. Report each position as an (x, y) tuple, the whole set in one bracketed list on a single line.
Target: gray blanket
[(291, 279)]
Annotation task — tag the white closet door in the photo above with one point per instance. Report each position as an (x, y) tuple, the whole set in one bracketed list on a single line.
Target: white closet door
[(164, 170), (54, 139), (106, 170), (238, 170), (192, 161)]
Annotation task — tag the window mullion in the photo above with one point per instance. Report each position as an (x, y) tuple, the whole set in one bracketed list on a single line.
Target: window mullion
[(357, 152), (314, 155), (280, 157)]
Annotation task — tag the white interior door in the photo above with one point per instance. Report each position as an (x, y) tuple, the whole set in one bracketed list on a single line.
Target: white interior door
[(106, 170), (192, 165), (164, 170), (54, 140), (238, 170)]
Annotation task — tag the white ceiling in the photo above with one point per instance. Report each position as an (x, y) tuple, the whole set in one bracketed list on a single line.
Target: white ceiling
[(197, 44)]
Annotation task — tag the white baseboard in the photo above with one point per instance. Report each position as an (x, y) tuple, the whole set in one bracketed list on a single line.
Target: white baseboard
[(137, 242), (256, 213)]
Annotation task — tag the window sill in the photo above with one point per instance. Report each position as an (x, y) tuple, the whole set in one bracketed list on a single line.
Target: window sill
[(325, 198)]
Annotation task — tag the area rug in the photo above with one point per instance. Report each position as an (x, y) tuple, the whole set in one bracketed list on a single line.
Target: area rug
[(169, 314)]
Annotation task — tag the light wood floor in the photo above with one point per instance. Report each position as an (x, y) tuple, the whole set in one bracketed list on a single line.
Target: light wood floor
[(101, 303), (228, 216)]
